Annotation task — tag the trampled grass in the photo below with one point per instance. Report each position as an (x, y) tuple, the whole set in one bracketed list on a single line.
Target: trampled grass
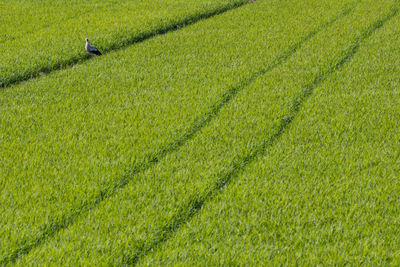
[(43, 41), (110, 161)]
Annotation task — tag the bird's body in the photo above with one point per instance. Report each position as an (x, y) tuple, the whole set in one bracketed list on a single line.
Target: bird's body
[(91, 49)]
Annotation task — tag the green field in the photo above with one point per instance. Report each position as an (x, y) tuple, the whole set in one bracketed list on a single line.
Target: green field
[(209, 133), (40, 37)]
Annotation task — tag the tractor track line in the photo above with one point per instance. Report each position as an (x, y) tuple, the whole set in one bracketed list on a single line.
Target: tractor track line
[(188, 211)]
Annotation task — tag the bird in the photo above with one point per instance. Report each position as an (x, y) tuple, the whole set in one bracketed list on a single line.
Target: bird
[(91, 49)]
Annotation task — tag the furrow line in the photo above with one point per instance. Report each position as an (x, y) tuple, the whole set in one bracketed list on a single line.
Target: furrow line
[(191, 208), (134, 39), (48, 230)]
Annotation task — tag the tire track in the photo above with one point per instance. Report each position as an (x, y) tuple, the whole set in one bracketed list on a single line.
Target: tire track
[(193, 206), (134, 38), (48, 230)]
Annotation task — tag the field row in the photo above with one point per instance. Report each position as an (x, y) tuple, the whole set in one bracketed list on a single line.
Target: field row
[(46, 41), (70, 138), (124, 130), (327, 191), (19, 19)]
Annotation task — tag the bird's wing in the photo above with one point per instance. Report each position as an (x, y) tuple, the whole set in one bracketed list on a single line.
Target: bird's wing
[(92, 49), (97, 52)]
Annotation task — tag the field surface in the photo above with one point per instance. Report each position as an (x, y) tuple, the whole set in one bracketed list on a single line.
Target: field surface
[(209, 133)]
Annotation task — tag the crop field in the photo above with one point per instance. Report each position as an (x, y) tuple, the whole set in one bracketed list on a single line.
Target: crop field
[(208, 133), (39, 37)]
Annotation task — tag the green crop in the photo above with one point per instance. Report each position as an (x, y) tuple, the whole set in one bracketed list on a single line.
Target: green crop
[(207, 145), (23, 19), (44, 41), (326, 190), (76, 137), (162, 197)]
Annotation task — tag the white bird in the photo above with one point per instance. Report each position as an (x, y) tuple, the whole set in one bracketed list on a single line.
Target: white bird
[(91, 49)]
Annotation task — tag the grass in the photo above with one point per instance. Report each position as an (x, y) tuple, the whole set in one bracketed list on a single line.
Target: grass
[(122, 159), (174, 186), (325, 192), (75, 137), (21, 19), (47, 42)]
